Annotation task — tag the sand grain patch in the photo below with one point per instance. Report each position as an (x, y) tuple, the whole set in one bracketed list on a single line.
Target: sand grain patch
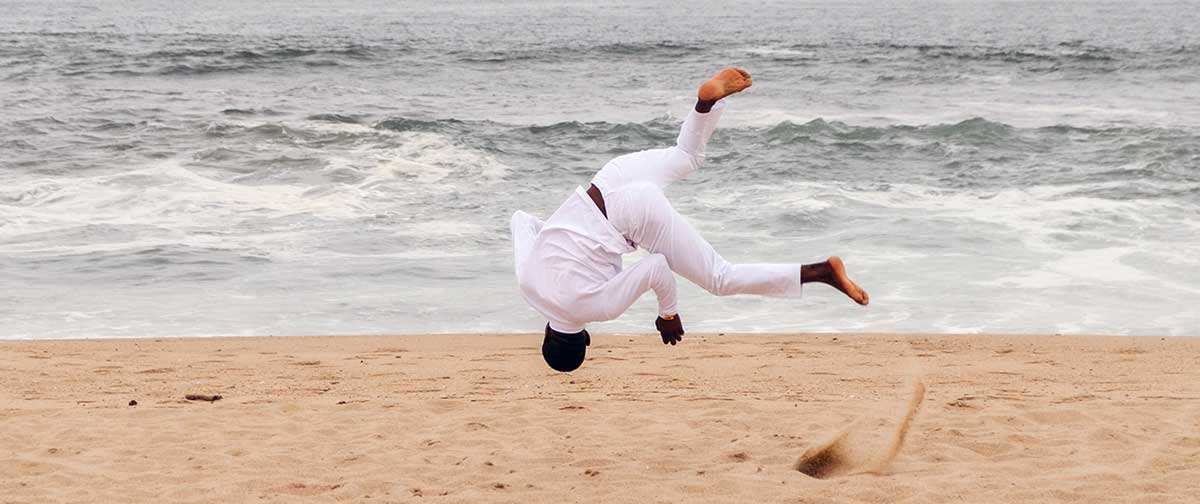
[(839, 456)]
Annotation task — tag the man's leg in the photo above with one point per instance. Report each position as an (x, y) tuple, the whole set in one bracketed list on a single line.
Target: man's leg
[(642, 213), (832, 272), (663, 166)]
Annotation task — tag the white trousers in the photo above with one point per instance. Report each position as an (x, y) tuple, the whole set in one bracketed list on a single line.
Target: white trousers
[(632, 186)]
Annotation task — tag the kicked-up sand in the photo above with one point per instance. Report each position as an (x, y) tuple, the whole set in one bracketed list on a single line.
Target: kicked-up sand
[(480, 418)]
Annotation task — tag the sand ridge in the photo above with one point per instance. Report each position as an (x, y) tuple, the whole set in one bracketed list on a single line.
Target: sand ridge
[(479, 418)]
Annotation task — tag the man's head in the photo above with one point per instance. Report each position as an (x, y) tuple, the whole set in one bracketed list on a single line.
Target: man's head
[(565, 351)]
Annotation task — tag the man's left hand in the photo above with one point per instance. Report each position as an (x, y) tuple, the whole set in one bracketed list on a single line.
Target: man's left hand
[(671, 330)]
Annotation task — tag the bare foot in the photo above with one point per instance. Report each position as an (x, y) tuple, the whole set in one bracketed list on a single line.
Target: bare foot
[(840, 281), (728, 81)]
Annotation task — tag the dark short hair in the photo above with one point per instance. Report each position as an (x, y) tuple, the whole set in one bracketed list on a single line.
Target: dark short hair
[(565, 351)]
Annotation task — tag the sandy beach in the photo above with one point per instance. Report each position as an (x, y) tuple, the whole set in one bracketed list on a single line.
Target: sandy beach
[(480, 418)]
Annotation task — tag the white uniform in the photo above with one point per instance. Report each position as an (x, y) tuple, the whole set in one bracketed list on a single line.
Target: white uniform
[(569, 267)]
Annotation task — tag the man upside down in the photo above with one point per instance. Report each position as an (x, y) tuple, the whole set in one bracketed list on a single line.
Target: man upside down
[(569, 267)]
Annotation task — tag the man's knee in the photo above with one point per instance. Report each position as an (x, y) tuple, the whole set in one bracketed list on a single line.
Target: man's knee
[(686, 161), (719, 283)]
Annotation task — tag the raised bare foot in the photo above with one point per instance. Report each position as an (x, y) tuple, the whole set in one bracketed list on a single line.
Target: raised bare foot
[(728, 81), (840, 281)]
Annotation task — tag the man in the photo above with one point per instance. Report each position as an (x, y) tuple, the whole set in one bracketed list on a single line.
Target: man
[(569, 267)]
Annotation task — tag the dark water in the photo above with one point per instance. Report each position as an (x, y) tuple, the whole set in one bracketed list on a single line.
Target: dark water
[(349, 167)]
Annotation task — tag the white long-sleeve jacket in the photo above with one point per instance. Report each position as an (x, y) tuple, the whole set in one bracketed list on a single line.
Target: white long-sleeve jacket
[(575, 276)]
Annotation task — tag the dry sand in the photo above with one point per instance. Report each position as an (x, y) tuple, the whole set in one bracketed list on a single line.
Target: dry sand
[(481, 419)]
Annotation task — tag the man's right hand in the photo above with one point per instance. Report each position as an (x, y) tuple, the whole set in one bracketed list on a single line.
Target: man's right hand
[(670, 329)]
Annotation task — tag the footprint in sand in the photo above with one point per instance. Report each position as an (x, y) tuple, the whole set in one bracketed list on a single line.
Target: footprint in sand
[(837, 456)]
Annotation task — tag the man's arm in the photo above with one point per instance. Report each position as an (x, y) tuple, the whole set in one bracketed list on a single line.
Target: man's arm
[(525, 229), (620, 292), (651, 273)]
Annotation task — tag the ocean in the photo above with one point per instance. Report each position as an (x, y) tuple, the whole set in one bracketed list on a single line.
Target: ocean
[(277, 168)]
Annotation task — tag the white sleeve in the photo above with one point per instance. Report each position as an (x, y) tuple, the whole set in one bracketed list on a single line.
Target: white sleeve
[(525, 229), (620, 292)]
